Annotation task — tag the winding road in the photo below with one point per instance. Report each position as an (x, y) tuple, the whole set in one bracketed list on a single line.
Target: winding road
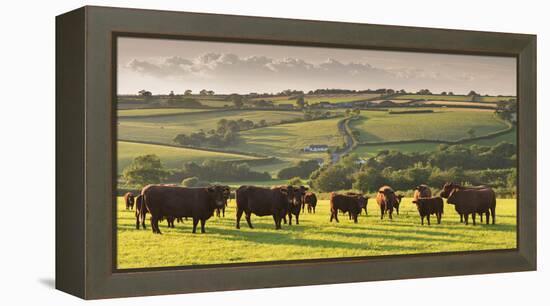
[(348, 141)]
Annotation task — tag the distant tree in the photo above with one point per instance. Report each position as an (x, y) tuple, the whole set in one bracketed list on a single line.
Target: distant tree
[(171, 94), (471, 132), (424, 92), (237, 101), (145, 169), (451, 93), (390, 91), (203, 92), (188, 92), (473, 93), (190, 182), (295, 181), (300, 102), (145, 93), (444, 93), (210, 92), (367, 180), (402, 91)]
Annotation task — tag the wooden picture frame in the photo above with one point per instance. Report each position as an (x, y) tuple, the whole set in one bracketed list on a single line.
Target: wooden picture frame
[(85, 151)]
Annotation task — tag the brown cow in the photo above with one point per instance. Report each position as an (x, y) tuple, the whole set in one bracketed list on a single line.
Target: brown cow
[(347, 203), (129, 200), (422, 191), (310, 199), (386, 200), (399, 197), (471, 200), (226, 195), (172, 201), (261, 201), (429, 206)]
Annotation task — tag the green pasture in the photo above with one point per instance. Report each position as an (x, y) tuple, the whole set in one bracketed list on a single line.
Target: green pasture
[(462, 98), (171, 157), (371, 150), (314, 238), (141, 112), (442, 124), (320, 98), (164, 129), (287, 140)]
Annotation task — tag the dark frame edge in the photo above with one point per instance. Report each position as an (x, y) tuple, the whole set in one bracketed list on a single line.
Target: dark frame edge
[(70, 263), (527, 140)]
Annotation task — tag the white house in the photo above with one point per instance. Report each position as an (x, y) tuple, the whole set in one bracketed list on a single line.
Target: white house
[(316, 148)]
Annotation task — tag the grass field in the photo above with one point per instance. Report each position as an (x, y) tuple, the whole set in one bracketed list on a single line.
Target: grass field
[(171, 157), (164, 129), (371, 150), (287, 140), (319, 98), (442, 124), (314, 238), (157, 111)]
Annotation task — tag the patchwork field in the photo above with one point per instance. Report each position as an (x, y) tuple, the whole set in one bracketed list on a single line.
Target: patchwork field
[(171, 157), (314, 238), (287, 140), (164, 129), (320, 98), (443, 124), (371, 150), (143, 112)]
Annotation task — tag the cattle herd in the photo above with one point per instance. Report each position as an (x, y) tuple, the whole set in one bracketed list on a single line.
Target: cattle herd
[(174, 203)]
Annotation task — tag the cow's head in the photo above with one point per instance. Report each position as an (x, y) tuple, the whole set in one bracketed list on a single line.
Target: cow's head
[(399, 197), (390, 197), (362, 201), (447, 189), (293, 194), (217, 194)]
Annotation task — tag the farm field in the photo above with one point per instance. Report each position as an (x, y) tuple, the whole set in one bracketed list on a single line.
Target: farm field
[(287, 140), (143, 112), (457, 103), (462, 98), (442, 124), (314, 238), (371, 150), (164, 129), (171, 157), (319, 98)]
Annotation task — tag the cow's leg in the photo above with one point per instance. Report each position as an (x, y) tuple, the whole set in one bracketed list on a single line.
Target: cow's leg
[(239, 215), (422, 220), (397, 210), (203, 222), (466, 219), (480, 217), (217, 212), (313, 209), (381, 213), (331, 216), (355, 218), (289, 218), (223, 212), (155, 225), (137, 220), (277, 221), (390, 214), (349, 215), (493, 214), (247, 217), (461, 219), (283, 217), (486, 217), (366, 213), (336, 216), (428, 218), (195, 222), (474, 218), (438, 218), (304, 207), (298, 218), (143, 216)]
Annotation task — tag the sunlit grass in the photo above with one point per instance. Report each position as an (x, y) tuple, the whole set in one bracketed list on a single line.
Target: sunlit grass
[(315, 237)]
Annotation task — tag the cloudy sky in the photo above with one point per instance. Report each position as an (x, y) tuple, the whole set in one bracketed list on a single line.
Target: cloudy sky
[(162, 65)]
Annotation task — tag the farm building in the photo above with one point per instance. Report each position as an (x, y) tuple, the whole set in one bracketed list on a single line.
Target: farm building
[(316, 148)]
